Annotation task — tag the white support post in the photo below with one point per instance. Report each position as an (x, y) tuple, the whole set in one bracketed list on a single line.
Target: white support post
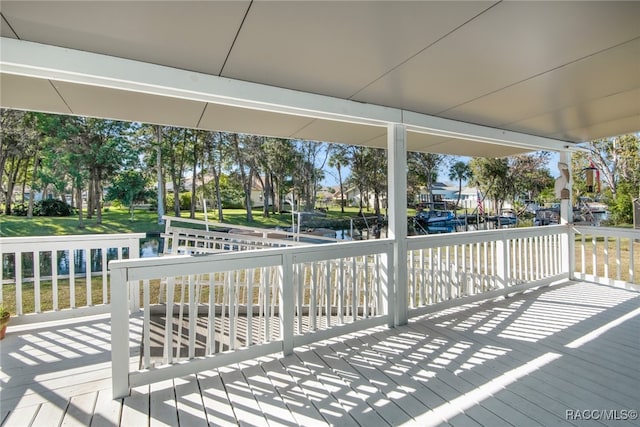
[(567, 240), (397, 202), (119, 333)]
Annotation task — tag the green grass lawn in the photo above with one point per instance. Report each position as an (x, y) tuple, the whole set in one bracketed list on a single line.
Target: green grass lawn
[(117, 220)]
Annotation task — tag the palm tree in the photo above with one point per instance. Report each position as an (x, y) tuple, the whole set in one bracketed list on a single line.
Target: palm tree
[(462, 172), (339, 159)]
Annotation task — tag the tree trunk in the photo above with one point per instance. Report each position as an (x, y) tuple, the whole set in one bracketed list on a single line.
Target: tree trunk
[(79, 206), (176, 200), (33, 182), (8, 200), (247, 196), (194, 177), (91, 193), (266, 191), (216, 178), (98, 197), (161, 190), (341, 188)]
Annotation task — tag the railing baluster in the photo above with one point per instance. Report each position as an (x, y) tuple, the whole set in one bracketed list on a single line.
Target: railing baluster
[(413, 290), (465, 265), (328, 286), (341, 304), (619, 259), (54, 279), (193, 316), (298, 286), (354, 290), (367, 287), (36, 281), (72, 279), (583, 255), (632, 260), (211, 319), (146, 325), (313, 303), (486, 282), (168, 337), (233, 307), (87, 270), (606, 257), (594, 259), (249, 305), (18, 272), (105, 283)]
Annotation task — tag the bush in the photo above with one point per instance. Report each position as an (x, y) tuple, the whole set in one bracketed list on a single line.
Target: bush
[(185, 201), (20, 209), (50, 207)]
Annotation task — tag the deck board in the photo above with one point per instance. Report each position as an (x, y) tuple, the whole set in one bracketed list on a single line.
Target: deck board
[(214, 397), (162, 403), (502, 362)]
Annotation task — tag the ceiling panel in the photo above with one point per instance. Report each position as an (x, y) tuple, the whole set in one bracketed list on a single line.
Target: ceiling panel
[(458, 147), (509, 43), (578, 120), (582, 81), (610, 128), (5, 30), (336, 48), (341, 132), (233, 119), (24, 93), (568, 70), (191, 35), (130, 106)]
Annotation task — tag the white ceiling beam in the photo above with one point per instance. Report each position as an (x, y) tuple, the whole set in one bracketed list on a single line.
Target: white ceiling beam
[(61, 64)]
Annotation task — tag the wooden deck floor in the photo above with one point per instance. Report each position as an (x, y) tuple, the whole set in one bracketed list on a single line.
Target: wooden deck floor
[(522, 361)]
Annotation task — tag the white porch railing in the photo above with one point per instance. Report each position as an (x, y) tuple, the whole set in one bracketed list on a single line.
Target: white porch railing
[(198, 238), (255, 303), (248, 304), (45, 276), (609, 256), (448, 267)]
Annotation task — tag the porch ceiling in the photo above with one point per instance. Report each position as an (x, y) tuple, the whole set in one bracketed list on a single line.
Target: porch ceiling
[(563, 70)]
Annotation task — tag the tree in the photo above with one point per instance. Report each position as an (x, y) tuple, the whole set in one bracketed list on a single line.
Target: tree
[(246, 151), (309, 172), (216, 149), (128, 187), (338, 159), (424, 166), (107, 150), (282, 159), (530, 175), (359, 172), (460, 171), (617, 161), (18, 137), (493, 178), (176, 141)]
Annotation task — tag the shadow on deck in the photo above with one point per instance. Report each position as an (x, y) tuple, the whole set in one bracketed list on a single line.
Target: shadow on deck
[(536, 358)]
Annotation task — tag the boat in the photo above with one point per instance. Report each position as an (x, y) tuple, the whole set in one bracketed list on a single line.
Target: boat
[(547, 217), (435, 217), (436, 221)]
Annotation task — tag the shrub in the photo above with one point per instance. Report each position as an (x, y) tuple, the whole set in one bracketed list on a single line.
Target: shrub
[(49, 207)]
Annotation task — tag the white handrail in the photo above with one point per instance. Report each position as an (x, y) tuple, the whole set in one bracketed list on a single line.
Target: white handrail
[(607, 255), (307, 293), (37, 248)]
